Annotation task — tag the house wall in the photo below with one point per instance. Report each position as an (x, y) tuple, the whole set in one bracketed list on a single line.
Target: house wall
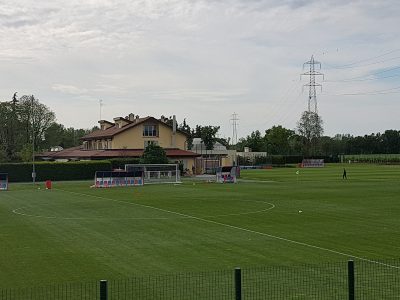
[(133, 138), (188, 163)]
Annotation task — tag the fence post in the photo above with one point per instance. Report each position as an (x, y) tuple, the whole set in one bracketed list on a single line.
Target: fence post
[(238, 284), (103, 290), (350, 268)]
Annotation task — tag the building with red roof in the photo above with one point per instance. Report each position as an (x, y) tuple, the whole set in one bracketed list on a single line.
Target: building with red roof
[(127, 138)]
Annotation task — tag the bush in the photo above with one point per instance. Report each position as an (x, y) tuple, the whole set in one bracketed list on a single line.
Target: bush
[(80, 170)]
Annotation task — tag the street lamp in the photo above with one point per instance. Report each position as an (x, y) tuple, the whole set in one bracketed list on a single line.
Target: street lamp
[(33, 142)]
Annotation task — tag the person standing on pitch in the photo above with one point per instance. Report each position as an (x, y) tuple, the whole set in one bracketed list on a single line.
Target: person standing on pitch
[(344, 173)]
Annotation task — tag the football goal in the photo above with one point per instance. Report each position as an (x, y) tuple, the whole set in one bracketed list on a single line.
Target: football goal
[(107, 179), (3, 181), (157, 173)]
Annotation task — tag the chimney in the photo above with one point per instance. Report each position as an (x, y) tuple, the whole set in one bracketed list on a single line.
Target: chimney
[(174, 132), (131, 117)]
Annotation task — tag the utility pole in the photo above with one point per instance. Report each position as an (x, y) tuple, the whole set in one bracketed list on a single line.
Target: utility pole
[(234, 127), (312, 94)]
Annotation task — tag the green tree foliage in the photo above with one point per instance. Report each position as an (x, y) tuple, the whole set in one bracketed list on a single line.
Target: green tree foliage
[(310, 128), (208, 135), (26, 153), (391, 141), (154, 154), (278, 140), (190, 134), (25, 117), (58, 135), (255, 141)]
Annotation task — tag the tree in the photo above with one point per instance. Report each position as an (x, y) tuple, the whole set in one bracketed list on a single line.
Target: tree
[(154, 154), (391, 141), (190, 134), (5, 126), (277, 139), (310, 129), (255, 141), (9, 127), (207, 135), (35, 118)]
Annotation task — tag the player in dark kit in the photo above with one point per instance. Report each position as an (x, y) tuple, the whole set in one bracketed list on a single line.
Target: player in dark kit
[(344, 174)]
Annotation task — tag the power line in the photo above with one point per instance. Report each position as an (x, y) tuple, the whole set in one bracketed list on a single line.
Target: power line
[(377, 92), (366, 76), (364, 79), (364, 60)]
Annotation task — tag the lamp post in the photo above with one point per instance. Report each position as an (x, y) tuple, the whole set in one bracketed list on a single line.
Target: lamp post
[(33, 142)]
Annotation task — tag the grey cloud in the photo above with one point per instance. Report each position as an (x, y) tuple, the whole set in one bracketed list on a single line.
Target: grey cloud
[(238, 55)]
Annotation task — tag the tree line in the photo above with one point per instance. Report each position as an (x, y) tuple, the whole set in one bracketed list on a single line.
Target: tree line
[(27, 124), (283, 141)]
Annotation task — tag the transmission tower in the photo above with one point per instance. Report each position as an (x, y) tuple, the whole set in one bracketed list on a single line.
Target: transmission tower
[(234, 127), (312, 94)]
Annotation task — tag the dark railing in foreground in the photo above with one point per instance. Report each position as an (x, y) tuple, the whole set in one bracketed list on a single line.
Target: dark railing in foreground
[(360, 280)]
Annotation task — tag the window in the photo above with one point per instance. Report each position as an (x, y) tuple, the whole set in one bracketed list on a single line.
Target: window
[(150, 130)]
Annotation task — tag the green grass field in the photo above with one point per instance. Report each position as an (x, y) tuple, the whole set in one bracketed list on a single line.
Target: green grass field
[(274, 217)]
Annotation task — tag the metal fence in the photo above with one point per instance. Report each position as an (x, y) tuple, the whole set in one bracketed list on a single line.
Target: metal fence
[(369, 280)]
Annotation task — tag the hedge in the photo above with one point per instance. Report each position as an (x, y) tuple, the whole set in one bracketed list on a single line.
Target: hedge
[(79, 170), (277, 160), (119, 163), (373, 158)]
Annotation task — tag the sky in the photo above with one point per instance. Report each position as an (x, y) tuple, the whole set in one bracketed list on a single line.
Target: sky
[(205, 60)]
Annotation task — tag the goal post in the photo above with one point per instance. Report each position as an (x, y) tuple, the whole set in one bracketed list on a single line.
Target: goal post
[(157, 173), (3, 181)]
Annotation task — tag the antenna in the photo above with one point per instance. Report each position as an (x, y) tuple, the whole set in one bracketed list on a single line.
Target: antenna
[(312, 94), (101, 105)]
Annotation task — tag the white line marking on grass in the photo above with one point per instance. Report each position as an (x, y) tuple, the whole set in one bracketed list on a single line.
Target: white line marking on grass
[(17, 211), (257, 181), (250, 231)]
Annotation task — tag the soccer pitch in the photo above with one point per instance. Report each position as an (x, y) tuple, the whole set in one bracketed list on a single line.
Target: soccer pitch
[(272, 217)]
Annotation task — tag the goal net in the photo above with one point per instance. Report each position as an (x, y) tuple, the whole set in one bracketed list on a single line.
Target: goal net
[(106, 179), (157, 173), (3, 181), (313, 163)]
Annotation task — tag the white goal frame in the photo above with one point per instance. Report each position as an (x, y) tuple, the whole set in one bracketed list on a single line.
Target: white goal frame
[(157, 173)]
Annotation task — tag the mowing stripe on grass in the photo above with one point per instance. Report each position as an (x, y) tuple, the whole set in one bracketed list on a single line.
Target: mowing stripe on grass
[(243, 229), (17, 211)]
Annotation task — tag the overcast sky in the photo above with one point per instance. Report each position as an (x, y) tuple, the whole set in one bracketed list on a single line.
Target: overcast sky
[(204, 60)]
